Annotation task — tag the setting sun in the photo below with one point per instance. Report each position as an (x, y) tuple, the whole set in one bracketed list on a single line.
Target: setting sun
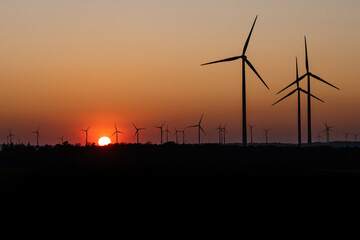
[(103, 141)]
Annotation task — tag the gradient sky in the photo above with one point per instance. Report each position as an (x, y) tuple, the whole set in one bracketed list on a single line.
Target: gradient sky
[(66, 65)]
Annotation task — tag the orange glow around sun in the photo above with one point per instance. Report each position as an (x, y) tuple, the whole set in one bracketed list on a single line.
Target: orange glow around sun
[(103, 141)]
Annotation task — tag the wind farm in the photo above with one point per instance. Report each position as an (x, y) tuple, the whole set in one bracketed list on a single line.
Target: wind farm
[(136, 66)]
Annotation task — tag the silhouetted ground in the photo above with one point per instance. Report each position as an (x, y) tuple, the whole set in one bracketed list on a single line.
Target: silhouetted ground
[(171, 160)]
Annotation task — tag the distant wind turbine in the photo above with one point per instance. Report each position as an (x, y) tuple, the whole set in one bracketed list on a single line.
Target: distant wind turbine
[(176, 135), (161, 131), (266, 134), (355, 136), (10, 136), (198, 126), (319, 137), (86, 135), (37, 136), (61, 139), (116, 134), (224, 133), (327, 130), (309, 74), (346, 136), (251, 133), (220, 131), (137, 132), (183, 138), (244, 59), (167, 133), (298, 90)]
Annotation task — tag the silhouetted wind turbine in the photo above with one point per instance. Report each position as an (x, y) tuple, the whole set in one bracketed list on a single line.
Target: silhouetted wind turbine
[(244, 60), (251, 133), (224, 132), (37, 136), (309, 74), (298, 90), (10, 136), (183, 132), (355, 136), (199, 127), (220, 131), (137, 132), (167, 133), (327, 130), (176, 135), (346, 136), (161, 131), (86, 135), (266, 134), (61, 139), (318, 137), (116, 133)]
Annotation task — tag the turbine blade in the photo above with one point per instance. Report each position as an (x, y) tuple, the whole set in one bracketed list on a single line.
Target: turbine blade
[(134, 125), (202, 130), (306, 92), (322, 80), (223, 60), (113, 133), (163, 123), (248, 39), (252, 67), (192, 126), (306, 56), (298, 80), (201, 118), (286, 96), (297, 72)]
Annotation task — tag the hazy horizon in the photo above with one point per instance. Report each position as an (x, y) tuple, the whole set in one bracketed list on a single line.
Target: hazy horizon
[(66, 65)]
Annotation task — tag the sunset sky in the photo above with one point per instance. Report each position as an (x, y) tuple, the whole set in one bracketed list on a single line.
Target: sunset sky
[(66, 65)]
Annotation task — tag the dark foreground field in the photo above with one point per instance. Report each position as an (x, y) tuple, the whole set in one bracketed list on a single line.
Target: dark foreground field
[(170, 160)]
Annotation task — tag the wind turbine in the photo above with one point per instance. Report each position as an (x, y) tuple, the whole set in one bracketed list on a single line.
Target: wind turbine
[(161, 131), (167, 133), (137, 132), (327, 130), (355, 136), (244, 59), (266, 134), (176, 135), (199, 127), (10, 136), (86, 135), (309, 74), (116, 132), (224, 131), (346, 136), (62, 139), (220, 131), (318, 137), (183, 132), (251, 132), (37, 136), (298, 90)]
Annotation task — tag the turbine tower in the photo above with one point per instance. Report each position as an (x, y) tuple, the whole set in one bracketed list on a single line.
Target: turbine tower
[(346, 136), (116, 133), (327, 130), (309, 74), (176, 135), (183, 138), (220, 131), (318, 137), (355, 136), (245, 61), (37, 136), (266, 134), (224, 133), (161, 131), (86, 135), (251, 133), (298, 90), (199, 127), (137, 132)]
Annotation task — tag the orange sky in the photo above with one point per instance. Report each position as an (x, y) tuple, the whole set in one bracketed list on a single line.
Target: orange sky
[(66, 65)]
